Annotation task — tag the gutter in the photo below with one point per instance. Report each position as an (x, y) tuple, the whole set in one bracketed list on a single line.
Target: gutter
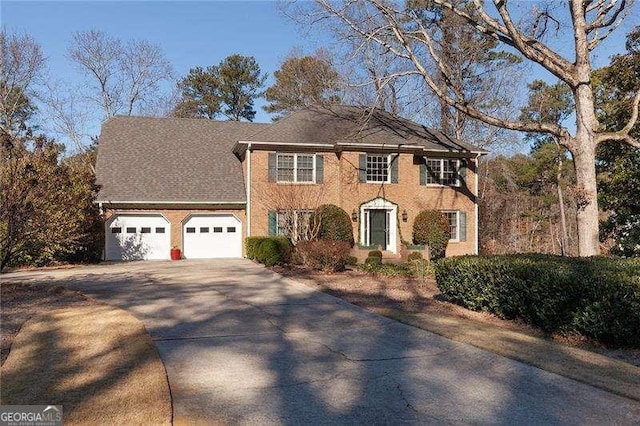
[(213, 203)]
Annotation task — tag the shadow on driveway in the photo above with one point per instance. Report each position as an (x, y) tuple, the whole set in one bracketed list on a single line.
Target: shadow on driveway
[(244, 345)]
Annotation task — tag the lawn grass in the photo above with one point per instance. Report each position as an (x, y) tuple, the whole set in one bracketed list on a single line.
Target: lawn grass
[(95, 360)]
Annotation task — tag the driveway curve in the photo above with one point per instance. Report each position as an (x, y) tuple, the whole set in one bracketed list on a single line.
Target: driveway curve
[(243, 345)]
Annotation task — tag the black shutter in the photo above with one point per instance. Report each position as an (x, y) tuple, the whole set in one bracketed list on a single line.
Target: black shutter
[(463, 226), (272, 220), (395, 158), (362, 175), (319, 168), (423, 171), (462, 172)]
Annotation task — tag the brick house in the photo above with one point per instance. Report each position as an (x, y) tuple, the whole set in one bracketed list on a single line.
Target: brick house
[(203, 186)]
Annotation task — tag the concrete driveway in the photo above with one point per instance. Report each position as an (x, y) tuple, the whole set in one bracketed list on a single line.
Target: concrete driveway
[(242, 345)]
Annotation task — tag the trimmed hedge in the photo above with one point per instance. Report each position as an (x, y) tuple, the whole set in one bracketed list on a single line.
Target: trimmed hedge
[(335, 224), (269, 250), (597, 297), (431, 228)]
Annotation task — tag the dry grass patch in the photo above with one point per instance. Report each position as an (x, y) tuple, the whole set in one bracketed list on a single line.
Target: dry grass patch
[(96, 360)]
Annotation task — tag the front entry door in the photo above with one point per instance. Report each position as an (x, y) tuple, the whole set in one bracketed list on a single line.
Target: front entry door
[(378, 228)]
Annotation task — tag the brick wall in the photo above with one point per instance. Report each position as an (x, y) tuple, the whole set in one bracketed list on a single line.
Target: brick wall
[(341, 187)]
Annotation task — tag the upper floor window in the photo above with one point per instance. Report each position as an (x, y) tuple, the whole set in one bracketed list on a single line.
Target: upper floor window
[(377, 168), (442, 171), (295, 167)]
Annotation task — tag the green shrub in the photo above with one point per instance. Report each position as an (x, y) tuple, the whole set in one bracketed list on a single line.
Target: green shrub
[(269, 250), (334, 224), (375, 253), (421, 268), (414, 255), (324, 255), (352, 261), (431, 228), (373, 260), (597, 297)]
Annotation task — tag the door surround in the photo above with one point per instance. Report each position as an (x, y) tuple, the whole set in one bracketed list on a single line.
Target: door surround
[(392, 221)]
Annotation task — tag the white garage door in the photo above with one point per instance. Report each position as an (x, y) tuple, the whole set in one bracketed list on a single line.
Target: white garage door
[(211, 236), (138, 237)]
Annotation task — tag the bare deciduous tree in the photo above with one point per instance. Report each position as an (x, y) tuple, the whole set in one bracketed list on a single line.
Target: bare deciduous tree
[(406, 37), (21, 64), (126, 76)]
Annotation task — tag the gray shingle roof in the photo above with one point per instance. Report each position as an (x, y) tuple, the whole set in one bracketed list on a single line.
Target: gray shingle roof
[(356, 125), (171, 160)]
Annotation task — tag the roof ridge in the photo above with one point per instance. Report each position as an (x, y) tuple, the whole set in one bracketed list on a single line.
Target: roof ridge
[(195, 119)]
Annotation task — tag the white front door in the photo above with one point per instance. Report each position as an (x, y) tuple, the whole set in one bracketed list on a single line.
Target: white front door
[(212, 236), (137, 237)]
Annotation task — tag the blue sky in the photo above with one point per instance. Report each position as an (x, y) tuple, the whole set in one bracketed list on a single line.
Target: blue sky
[(189, 33)]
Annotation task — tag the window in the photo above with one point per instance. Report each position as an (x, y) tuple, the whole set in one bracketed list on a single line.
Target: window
[(454, 224), (231, 229), (296, 168), (160, 230), (442, 171), (145, 230), (131, 230), (116, 230), (191, 230), (217, 229), (377, 168), (204, 229), (295, 224)]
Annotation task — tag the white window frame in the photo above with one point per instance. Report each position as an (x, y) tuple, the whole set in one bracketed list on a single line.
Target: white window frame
[(441, 177), (296, 214), (295, 168), (457, 213), (366, 171)]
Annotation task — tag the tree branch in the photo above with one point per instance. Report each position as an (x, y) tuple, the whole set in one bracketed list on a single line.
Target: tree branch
[(624, 133)]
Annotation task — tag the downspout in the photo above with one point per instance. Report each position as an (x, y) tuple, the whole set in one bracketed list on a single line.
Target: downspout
[(248, 190), (104, 246), (476, 204)]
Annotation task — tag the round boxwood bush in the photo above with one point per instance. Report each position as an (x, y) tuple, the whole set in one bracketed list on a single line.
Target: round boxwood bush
[(414, 255), (375, 253), (432, 229), (334, 224)]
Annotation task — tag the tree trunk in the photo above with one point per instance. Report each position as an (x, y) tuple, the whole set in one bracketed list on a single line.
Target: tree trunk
[(587, 200), (564, 237), (584, 159)]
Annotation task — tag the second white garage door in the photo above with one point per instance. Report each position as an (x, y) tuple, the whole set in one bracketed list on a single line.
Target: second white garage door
[(210, 236)]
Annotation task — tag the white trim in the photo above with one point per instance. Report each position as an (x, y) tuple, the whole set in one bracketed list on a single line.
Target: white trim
[(457, 213), (442, 160), (295, 168), (475, 178), (320, 145), (216, 203), (392, 227), (367, 155)]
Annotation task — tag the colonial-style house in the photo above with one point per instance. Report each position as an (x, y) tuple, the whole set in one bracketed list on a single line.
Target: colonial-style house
[(203, 185)]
